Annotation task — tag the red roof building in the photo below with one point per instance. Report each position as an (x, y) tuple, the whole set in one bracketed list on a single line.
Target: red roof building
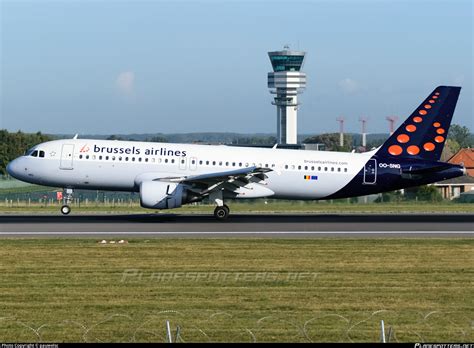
[(465, 157), (453, 188)]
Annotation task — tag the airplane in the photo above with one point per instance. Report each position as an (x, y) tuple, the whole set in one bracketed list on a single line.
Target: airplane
[(169, 175)]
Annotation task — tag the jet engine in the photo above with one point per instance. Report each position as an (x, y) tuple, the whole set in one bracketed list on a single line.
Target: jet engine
[(164, 195)]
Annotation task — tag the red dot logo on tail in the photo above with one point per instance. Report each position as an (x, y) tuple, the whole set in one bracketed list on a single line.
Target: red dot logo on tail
[(429, 146), (403, 138), (395, 150), (413, 150)]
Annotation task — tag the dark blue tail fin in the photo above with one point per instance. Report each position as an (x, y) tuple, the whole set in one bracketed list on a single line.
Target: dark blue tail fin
[(424, 133)]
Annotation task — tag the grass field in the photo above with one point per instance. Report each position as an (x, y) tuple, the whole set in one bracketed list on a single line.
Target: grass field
[(250, 207), (237, 290)]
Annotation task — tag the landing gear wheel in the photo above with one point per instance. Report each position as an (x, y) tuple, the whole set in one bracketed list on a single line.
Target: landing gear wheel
[(65, 209), (222, 212)]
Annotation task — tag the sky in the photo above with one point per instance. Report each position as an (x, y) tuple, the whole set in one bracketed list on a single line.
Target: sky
[(118, 67)]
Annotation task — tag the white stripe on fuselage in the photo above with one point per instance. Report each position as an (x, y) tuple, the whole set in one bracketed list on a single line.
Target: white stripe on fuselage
[(156, 158)]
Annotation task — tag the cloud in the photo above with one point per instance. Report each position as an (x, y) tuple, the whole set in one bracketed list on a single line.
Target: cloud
[(125, 82), (349, 86)]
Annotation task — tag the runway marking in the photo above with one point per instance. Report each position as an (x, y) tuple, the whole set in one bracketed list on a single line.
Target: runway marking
[(230, 233)]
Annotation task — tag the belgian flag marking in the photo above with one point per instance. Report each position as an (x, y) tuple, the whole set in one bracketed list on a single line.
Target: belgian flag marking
[(310, 177)]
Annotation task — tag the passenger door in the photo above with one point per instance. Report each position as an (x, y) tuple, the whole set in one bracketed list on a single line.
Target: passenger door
[(67, 155), (370, 172), (182, 163), (193, 163)]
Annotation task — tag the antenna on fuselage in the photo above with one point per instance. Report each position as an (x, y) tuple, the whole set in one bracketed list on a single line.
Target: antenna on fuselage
[(275, 146), (75, 137)]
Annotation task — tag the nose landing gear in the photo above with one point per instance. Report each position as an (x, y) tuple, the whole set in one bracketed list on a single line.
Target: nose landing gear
[(67, 199), (65, 209)]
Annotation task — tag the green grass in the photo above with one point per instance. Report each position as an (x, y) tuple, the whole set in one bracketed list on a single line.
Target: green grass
[(77, 290), (250, 207)]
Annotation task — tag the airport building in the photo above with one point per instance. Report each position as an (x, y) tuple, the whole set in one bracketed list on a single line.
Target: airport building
[(286, 82)]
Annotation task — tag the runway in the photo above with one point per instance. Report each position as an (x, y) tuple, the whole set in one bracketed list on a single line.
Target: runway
[(239, 226)]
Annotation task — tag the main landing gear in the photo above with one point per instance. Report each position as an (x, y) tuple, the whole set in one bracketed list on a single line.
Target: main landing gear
[(67, 199), (222, 211)]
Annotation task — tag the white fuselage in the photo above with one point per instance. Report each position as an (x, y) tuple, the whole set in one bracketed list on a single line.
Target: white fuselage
[(123, 165)]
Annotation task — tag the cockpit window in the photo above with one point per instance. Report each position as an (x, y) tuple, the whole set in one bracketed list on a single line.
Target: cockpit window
[(28, 152), (34, 153), (41, 154)]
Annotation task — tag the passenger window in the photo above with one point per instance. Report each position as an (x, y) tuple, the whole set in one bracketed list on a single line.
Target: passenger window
[(139, 159), (126, 159), (226, 164), (319, 169), (332, 169), (133, 159), (80, 156), (106, 158), (146, 159), (113, 158), (213, 163), (207, 163), (166, 160), (345, 169), (339, 169), (286, 166), (305, 167), (120, 158), (172, 161), (233, 164), (325, 169), (240, 164), (87, 157), (312, 168), (100, 158), (299, 167)]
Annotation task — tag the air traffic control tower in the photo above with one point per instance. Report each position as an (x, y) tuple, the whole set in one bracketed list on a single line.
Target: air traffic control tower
[(286, 81)]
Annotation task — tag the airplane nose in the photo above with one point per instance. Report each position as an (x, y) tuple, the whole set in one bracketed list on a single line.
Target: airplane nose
[(13, 168)]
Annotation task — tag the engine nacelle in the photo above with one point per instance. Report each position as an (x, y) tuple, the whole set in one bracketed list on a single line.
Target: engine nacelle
[(161, 195)]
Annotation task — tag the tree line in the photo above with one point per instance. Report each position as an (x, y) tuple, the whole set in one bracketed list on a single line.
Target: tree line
[(13, 145)]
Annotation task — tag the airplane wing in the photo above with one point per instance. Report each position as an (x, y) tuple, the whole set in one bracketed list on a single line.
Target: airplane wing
[(229, 181)]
